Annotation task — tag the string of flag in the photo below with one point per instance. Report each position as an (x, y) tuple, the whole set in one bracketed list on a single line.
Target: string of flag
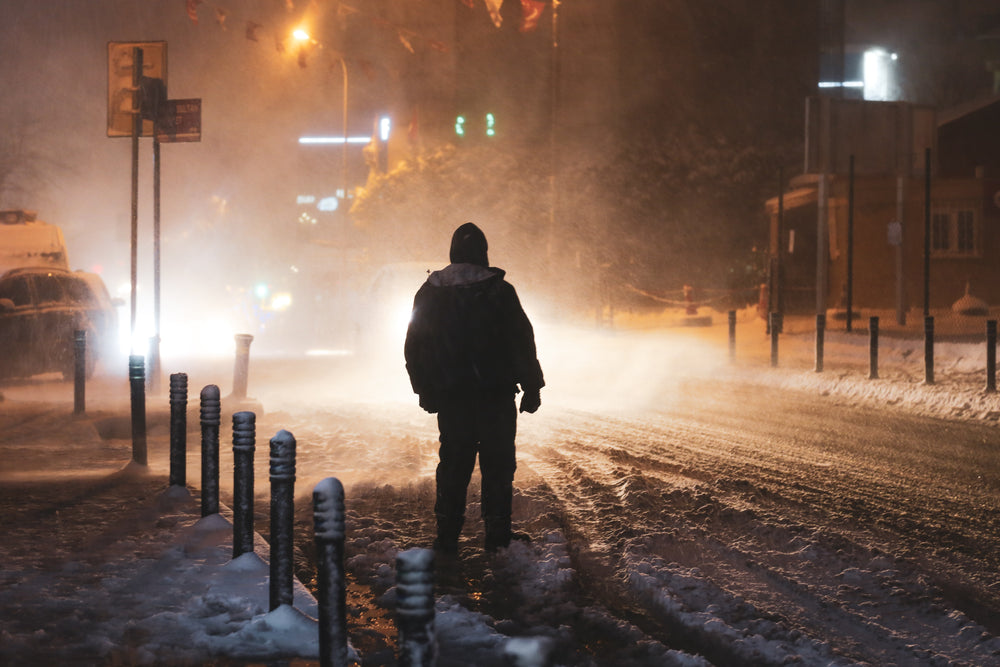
[(409, 39)]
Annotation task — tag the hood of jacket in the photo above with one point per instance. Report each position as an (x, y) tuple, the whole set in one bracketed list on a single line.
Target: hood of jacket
[(461, 275)]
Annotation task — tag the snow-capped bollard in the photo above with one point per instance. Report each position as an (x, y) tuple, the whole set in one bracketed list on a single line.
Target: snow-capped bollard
[(872, 348), (79, 372), (137, 384), (178, 429), (241, 368), (244, 443), (211, 409), (282, 517), (774, 324), (991, 356), (732, 335), (820, 336), (929, 349), (328, 517), (415, 608)]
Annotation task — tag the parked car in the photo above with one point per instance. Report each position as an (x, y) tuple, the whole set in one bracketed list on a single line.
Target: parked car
[(41, 308)]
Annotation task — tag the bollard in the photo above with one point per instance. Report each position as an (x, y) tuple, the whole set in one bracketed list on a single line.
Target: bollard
[(137, 383), (244, 443), (178, 429), (282, 517), (328, 516), (415, 608), (991, 356), (774, 322), (241, 368), (820, 334), (872, 348), (732, 335), (211, 408), (79, 372), (929, 349)]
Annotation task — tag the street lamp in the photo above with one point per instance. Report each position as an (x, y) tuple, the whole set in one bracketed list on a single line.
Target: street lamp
[(301, 35)]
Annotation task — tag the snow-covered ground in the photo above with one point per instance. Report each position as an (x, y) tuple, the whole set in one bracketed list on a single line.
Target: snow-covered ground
[(102, 564)]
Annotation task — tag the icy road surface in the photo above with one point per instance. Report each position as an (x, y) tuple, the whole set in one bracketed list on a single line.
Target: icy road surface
[(712, 516)]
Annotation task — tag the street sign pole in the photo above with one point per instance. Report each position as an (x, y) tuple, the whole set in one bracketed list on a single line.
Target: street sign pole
[(136, 131), (154, 344)]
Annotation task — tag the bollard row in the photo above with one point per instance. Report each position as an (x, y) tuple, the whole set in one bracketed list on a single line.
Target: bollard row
[(774, 326)]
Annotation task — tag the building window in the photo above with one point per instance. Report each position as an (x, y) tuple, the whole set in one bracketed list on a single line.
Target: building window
[(955, 231)]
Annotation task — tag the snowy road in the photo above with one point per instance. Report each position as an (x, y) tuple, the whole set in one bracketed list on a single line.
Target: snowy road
[(726, 519)]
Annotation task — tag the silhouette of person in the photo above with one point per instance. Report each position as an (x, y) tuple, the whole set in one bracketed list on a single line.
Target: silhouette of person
[(468, 347)]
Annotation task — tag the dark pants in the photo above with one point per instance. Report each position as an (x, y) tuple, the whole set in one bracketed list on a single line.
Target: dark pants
[(483, 425)]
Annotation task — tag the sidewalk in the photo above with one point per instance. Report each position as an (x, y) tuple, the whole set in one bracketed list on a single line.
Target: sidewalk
[(103, 564)]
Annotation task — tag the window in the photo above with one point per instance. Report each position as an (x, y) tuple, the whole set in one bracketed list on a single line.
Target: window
[(17, 290), (955, 230)]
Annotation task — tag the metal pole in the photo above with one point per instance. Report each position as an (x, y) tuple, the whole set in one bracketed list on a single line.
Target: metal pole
[(778, 287), (775, 323), (282, 517), (850, 244), (820, 332), (178, 429), (872, 348), (929, 350), (137, 383), (343, 150), (415, 608), (136, 131), (244, 443), (328, 517), (211, 409), (991, 356), (732, 335), (154, 343), (79, 372), (927, 232)]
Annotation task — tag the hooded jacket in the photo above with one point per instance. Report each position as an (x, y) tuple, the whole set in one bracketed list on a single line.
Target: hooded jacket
[(469, 333)]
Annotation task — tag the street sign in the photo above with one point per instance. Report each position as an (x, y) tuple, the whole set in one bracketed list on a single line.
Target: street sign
[(121, 94), (180, 120)]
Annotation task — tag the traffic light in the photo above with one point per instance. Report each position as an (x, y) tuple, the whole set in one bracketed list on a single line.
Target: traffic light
[(464, 128), (490, 125), (460, 126)]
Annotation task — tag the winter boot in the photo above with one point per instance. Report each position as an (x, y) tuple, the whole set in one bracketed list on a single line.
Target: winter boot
[(497, 532), (448, 529)]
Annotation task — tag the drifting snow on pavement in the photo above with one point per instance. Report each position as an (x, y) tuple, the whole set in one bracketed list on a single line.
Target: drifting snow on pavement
[(711, 514)]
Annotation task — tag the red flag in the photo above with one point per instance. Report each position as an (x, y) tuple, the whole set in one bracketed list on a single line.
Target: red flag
[(220, 17), (440, 47), (404, 37), (531, 11), (192, 10), (252, 30), (494, 7)]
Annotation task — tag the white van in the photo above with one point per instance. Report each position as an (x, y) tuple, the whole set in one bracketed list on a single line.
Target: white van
[(26, 242)]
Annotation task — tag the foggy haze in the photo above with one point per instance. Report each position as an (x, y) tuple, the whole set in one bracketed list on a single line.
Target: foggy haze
[(630, 173)]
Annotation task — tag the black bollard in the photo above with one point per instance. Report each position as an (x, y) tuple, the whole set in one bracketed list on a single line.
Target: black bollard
[(872, 348), (415, 608), (211, 408), (244, 443), (328, 516), (820, 335), (732, 335), (137, 383), (178, 429), (79, 372), (991, 356), (774, 322), (282, 517), (929, 349)]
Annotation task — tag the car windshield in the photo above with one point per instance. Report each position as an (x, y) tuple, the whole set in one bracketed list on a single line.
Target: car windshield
[(17, 290), (49, 289), (77, 291)]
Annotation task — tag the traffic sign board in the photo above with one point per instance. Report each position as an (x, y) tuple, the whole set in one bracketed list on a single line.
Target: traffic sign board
[(180, 120), (123, 100)]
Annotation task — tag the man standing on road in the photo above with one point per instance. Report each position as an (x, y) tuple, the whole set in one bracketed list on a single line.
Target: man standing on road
[(468, 347)]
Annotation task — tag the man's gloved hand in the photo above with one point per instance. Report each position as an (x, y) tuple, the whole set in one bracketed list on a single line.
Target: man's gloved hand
[(429, 403), (531, 400)]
